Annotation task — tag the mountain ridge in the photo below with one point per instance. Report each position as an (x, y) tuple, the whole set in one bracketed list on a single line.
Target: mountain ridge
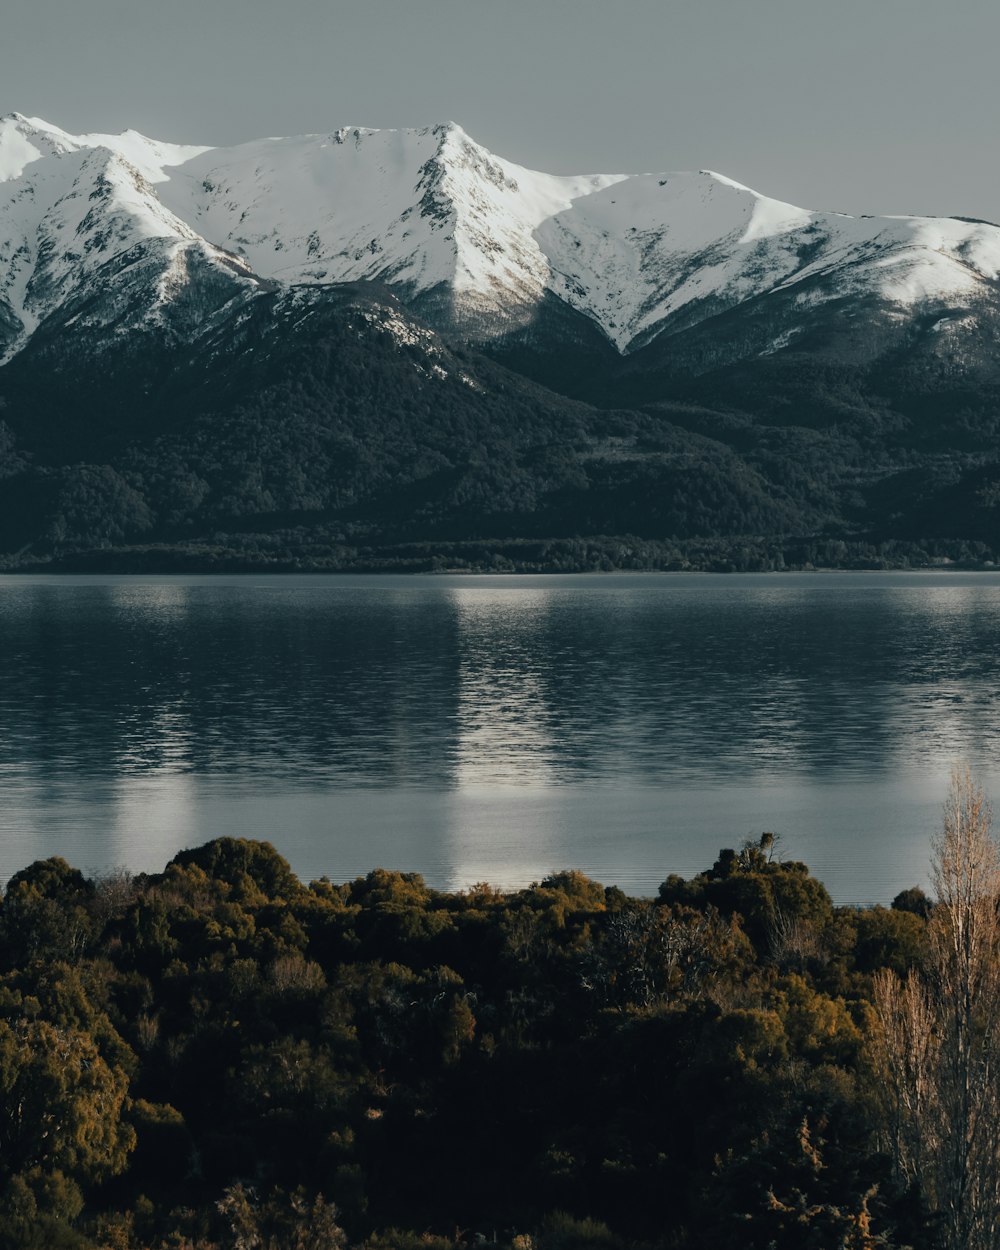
[(433, 213)]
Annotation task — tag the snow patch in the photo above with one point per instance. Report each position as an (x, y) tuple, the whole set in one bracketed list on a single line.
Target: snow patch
[(782, 340), (17, 152)]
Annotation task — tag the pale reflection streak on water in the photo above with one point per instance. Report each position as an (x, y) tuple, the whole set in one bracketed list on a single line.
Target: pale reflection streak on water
[(503, 724), (496, 728)]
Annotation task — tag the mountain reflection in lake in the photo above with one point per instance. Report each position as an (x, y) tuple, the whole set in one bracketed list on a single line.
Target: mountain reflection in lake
[(496, 728)]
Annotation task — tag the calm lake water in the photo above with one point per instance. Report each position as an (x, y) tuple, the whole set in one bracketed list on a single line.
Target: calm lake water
[(497, 728)]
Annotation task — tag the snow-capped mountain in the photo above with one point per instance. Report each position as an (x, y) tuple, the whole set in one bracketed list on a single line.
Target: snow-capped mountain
[(307, 350), (124, 231)]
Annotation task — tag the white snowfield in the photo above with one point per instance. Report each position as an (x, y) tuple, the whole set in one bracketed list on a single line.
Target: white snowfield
[(432, 212)]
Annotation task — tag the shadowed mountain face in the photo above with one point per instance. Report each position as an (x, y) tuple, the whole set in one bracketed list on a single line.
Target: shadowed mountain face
[(321, 350)]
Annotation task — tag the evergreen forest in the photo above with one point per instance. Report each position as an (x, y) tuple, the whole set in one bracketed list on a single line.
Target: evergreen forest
[(326, 442)]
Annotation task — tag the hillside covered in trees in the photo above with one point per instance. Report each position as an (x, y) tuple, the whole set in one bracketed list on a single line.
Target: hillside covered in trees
[(333, 429), (220, 1056)]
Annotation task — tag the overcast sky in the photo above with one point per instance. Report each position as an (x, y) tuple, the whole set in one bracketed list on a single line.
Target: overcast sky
[(862, 106)]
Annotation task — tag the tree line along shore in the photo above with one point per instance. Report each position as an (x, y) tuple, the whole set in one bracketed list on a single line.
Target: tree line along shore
[(221, 1057)]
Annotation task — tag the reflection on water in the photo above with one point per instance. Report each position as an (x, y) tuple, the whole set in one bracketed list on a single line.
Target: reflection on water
[(496, 728), (504, 732)]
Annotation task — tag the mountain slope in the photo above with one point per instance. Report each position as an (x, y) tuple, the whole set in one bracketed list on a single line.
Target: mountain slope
[(333, 413)]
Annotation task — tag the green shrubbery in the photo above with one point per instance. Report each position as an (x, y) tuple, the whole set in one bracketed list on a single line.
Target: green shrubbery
[(219, 1055)]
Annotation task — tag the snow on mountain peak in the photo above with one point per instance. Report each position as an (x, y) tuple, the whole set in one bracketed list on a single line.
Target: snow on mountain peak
[(439, 216), (73, 208), (16, 150)]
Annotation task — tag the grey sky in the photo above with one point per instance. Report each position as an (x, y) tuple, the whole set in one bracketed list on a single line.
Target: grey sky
[(875, 106)]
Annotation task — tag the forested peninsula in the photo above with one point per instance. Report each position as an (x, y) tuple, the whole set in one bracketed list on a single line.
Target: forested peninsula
[(221, 1057)]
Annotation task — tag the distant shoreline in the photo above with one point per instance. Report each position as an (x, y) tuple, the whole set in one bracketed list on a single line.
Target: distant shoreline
[(520, 557)]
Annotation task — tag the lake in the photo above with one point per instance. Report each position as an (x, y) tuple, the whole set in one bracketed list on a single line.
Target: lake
[(497, 728)]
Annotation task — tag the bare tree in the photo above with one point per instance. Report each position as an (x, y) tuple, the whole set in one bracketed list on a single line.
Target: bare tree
[(905, 1045), (964, 979), (936, 1038)]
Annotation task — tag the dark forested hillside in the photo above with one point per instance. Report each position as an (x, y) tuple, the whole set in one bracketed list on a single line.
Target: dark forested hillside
[(328, 428)]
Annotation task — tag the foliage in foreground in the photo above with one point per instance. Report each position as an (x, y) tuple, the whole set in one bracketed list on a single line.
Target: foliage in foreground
[(221, 1056)]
